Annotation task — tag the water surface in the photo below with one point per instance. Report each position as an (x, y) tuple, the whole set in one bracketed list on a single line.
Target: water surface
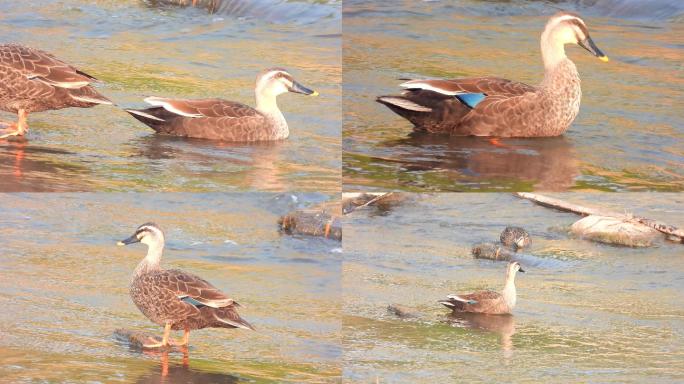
[(64, 284), (629, 135), (586, 312), (140, 49)]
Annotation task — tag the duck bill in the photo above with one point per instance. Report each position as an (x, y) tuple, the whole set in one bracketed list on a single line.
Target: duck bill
[(131, 240), (521, 270), (298, 88), (589, 45)]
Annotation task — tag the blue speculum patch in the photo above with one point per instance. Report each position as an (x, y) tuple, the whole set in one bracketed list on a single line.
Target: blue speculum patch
[(192, 301), (471, 99)]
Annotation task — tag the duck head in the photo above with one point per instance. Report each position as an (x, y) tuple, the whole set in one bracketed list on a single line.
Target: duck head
[(566, 28), (149, 234), (276, 81), (513, 268), (522, 240)]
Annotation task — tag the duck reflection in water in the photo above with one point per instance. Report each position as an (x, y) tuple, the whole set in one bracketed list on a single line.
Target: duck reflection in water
[(181, 373), (503, 325), (548, 163), (258, 164)]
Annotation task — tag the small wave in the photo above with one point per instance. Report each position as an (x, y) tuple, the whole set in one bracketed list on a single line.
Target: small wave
[(274, 11)]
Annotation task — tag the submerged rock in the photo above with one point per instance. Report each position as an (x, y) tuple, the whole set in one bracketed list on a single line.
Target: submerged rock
[(403, 311)]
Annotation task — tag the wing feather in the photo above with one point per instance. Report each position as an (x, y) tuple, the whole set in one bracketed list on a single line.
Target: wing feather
[(198, 108)]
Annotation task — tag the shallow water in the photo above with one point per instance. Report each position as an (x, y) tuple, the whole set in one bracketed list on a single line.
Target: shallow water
[(629, 134), (137, 50), (64, 287), (586, 313)]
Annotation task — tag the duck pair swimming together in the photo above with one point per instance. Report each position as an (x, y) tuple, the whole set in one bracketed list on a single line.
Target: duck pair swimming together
[(492, 106), (175, 299), (32, 80)]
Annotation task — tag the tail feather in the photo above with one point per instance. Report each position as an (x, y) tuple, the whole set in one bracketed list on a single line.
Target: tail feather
[(238, 322), (401, 102), (156, 117)]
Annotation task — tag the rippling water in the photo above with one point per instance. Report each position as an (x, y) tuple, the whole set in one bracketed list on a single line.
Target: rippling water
[(64, 288), (586, 312), (139, 49), (628, 135)]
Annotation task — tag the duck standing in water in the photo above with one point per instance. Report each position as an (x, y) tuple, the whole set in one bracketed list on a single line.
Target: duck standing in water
[(33, 81), (176, 299), (515, 237), (491, 106), (218, 119), (488, 302)]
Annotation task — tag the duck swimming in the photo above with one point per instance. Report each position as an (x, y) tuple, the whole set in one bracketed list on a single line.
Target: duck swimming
[(176, 299), (515, 237), (492, 106), (488, 302), (32, 80), (218, 119)]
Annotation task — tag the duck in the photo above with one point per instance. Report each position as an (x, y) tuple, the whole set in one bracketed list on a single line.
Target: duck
[(488, 302), (496, 107), (515, 237), (175, 299), (32, 80), (218, 119)]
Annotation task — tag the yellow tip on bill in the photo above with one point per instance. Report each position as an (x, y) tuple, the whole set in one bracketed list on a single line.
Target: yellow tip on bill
[(314, 94), (604, 59), (120, 243)]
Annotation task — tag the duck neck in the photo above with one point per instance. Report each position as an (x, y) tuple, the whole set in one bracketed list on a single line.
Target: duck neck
[(553, 51), (509, 293), (266, 104), (152, 260)]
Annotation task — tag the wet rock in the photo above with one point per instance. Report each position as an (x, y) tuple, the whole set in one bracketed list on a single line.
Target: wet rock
[(383, 202), (611, 230), (492, 251), (311, 223)]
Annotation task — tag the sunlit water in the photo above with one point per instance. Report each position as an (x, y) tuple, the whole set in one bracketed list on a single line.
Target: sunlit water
[(629, 134), (138, 49), (586, 312), (64, 288)]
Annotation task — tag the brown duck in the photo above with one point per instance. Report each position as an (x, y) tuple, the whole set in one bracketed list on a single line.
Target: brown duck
[(218, 119), (489, 302), (33, 81), (491, 106), (176, 299)]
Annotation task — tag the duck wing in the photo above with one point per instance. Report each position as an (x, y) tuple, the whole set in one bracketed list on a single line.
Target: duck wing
[(35, 64), (198, 108), (486, 86), (473, 302), (214, 119), (193, 290), (440, 106)]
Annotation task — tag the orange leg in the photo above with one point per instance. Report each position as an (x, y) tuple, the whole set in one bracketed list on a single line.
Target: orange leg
[(495, 141), (17, 129), (165, 339)]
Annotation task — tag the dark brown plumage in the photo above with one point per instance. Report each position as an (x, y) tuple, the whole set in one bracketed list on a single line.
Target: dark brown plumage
[(32, 80), (176, 299), (223, 120)]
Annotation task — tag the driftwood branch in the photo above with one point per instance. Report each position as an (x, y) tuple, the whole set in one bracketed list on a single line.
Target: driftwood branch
[(586, 211)]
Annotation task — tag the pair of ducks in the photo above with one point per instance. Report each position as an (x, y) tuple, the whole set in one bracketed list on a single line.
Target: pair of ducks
[(490, 302), (33, 81), (179, 300)]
